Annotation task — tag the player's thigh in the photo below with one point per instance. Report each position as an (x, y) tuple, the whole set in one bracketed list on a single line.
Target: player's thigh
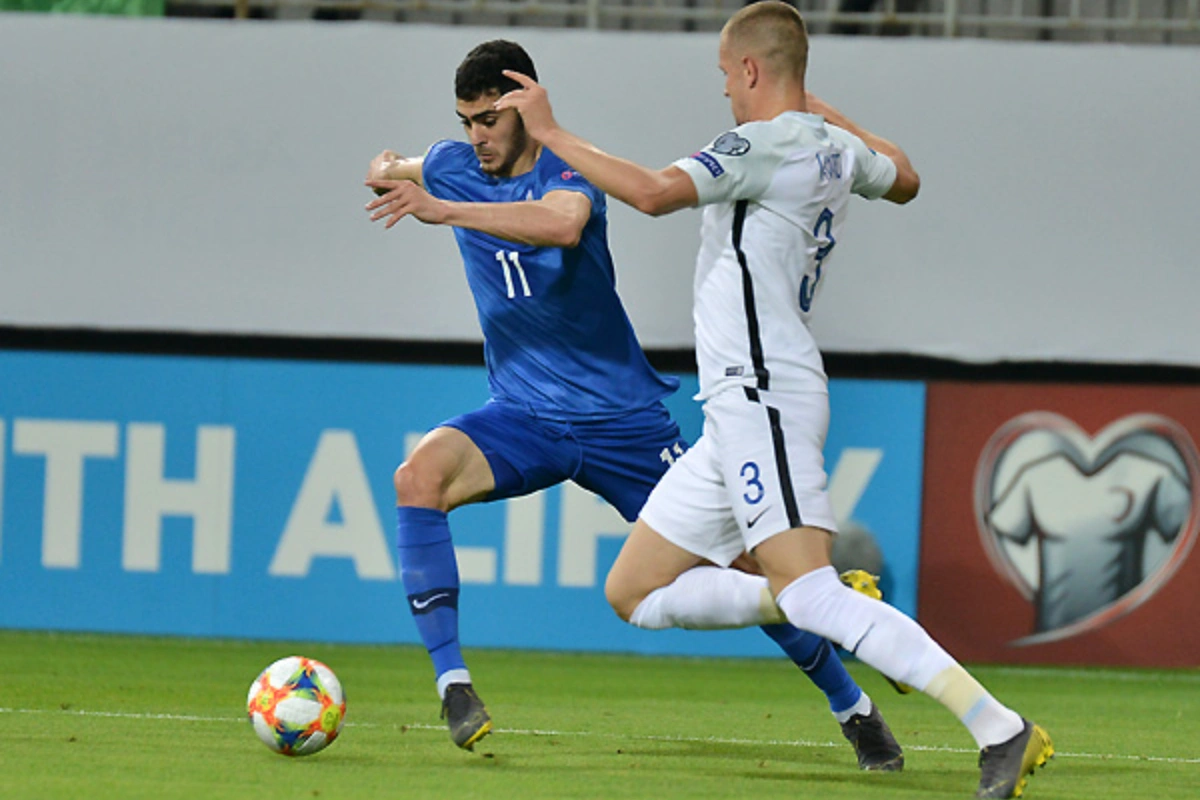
[(523, 453), (790, 554), (770, 453), (647, 561), (624, 459), (445, 470), (690, 507)]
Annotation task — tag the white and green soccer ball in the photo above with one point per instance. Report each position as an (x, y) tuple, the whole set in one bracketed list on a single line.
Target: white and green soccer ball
[(297, 706)]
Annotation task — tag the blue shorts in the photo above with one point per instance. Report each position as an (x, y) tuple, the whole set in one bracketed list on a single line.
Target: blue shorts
[(619, 459)]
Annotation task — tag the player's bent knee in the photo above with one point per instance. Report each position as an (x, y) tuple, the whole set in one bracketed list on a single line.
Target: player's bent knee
[(621, 598), (624, 607), (612, 593), (416, 486)]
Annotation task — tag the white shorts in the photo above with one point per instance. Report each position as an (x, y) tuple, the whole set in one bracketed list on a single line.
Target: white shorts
[(757, 470)]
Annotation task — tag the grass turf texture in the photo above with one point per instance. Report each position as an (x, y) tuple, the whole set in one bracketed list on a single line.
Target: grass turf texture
[(133, 717)]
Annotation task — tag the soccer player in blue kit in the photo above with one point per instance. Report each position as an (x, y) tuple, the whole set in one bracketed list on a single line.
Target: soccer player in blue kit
[(572, 394)]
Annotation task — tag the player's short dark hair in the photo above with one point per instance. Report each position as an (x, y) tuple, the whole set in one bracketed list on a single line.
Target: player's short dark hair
[(481, 71)]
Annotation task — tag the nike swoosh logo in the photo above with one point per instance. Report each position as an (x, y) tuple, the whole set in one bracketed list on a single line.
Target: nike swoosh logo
[(750, 522), (420, 604)]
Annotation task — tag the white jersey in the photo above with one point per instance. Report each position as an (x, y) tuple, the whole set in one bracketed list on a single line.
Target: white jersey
[(775, 195)]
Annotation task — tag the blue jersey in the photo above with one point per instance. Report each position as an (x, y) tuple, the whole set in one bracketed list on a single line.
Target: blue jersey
[(556, 338)]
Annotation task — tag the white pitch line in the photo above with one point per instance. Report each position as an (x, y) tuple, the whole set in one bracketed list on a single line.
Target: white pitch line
[(114, 714), (536, 732)]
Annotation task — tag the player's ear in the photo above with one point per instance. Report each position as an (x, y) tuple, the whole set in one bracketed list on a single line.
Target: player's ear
[(751, 70)]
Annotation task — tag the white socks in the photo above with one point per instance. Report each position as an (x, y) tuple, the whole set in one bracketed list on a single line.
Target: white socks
[(896, 646), (988, 721), (862, 708), (709, 598), (451, 676)]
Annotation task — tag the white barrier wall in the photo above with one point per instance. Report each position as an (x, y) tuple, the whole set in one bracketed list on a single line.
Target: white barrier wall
[(206, 176)]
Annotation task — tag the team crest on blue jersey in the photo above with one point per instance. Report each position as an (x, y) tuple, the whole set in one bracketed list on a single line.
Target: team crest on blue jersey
[(568, 174), (730, 144)]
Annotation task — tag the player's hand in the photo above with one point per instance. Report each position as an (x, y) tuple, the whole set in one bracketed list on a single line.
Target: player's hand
[(400, 199), (532, 103), (377, 171), (380, 164)]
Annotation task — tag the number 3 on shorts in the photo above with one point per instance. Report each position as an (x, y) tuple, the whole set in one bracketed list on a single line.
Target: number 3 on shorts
[(755, 490)]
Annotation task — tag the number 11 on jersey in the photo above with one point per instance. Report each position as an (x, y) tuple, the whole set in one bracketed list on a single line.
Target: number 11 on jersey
[(667, 457), (509, 261)]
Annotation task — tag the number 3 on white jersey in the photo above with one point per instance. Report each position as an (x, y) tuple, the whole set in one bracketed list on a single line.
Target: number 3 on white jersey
[(824, 219), (514, 258)]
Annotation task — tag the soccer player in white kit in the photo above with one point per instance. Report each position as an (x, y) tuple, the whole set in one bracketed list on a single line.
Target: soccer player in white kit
[(775, 192)]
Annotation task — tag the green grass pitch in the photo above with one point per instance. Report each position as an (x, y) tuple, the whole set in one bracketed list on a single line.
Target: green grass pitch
[(85, 716)]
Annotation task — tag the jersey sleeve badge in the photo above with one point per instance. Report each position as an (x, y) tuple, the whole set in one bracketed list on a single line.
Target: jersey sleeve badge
[(709, 163), (730, 144)]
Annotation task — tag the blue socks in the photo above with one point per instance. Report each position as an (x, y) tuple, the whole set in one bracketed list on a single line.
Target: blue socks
[(430, 572), (820, 663)]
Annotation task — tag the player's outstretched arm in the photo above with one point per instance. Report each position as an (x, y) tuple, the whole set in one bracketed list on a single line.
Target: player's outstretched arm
[(557, 220), (391, 166), (908, 182), (653, 192)]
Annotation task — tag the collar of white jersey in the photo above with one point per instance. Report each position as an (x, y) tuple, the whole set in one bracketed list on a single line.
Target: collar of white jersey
[(816, 120)]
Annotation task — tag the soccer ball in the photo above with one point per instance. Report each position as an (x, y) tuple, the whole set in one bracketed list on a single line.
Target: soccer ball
[(296, 706)]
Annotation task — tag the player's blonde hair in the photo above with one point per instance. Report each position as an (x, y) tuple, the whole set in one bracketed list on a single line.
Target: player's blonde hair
[(774, 32)]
